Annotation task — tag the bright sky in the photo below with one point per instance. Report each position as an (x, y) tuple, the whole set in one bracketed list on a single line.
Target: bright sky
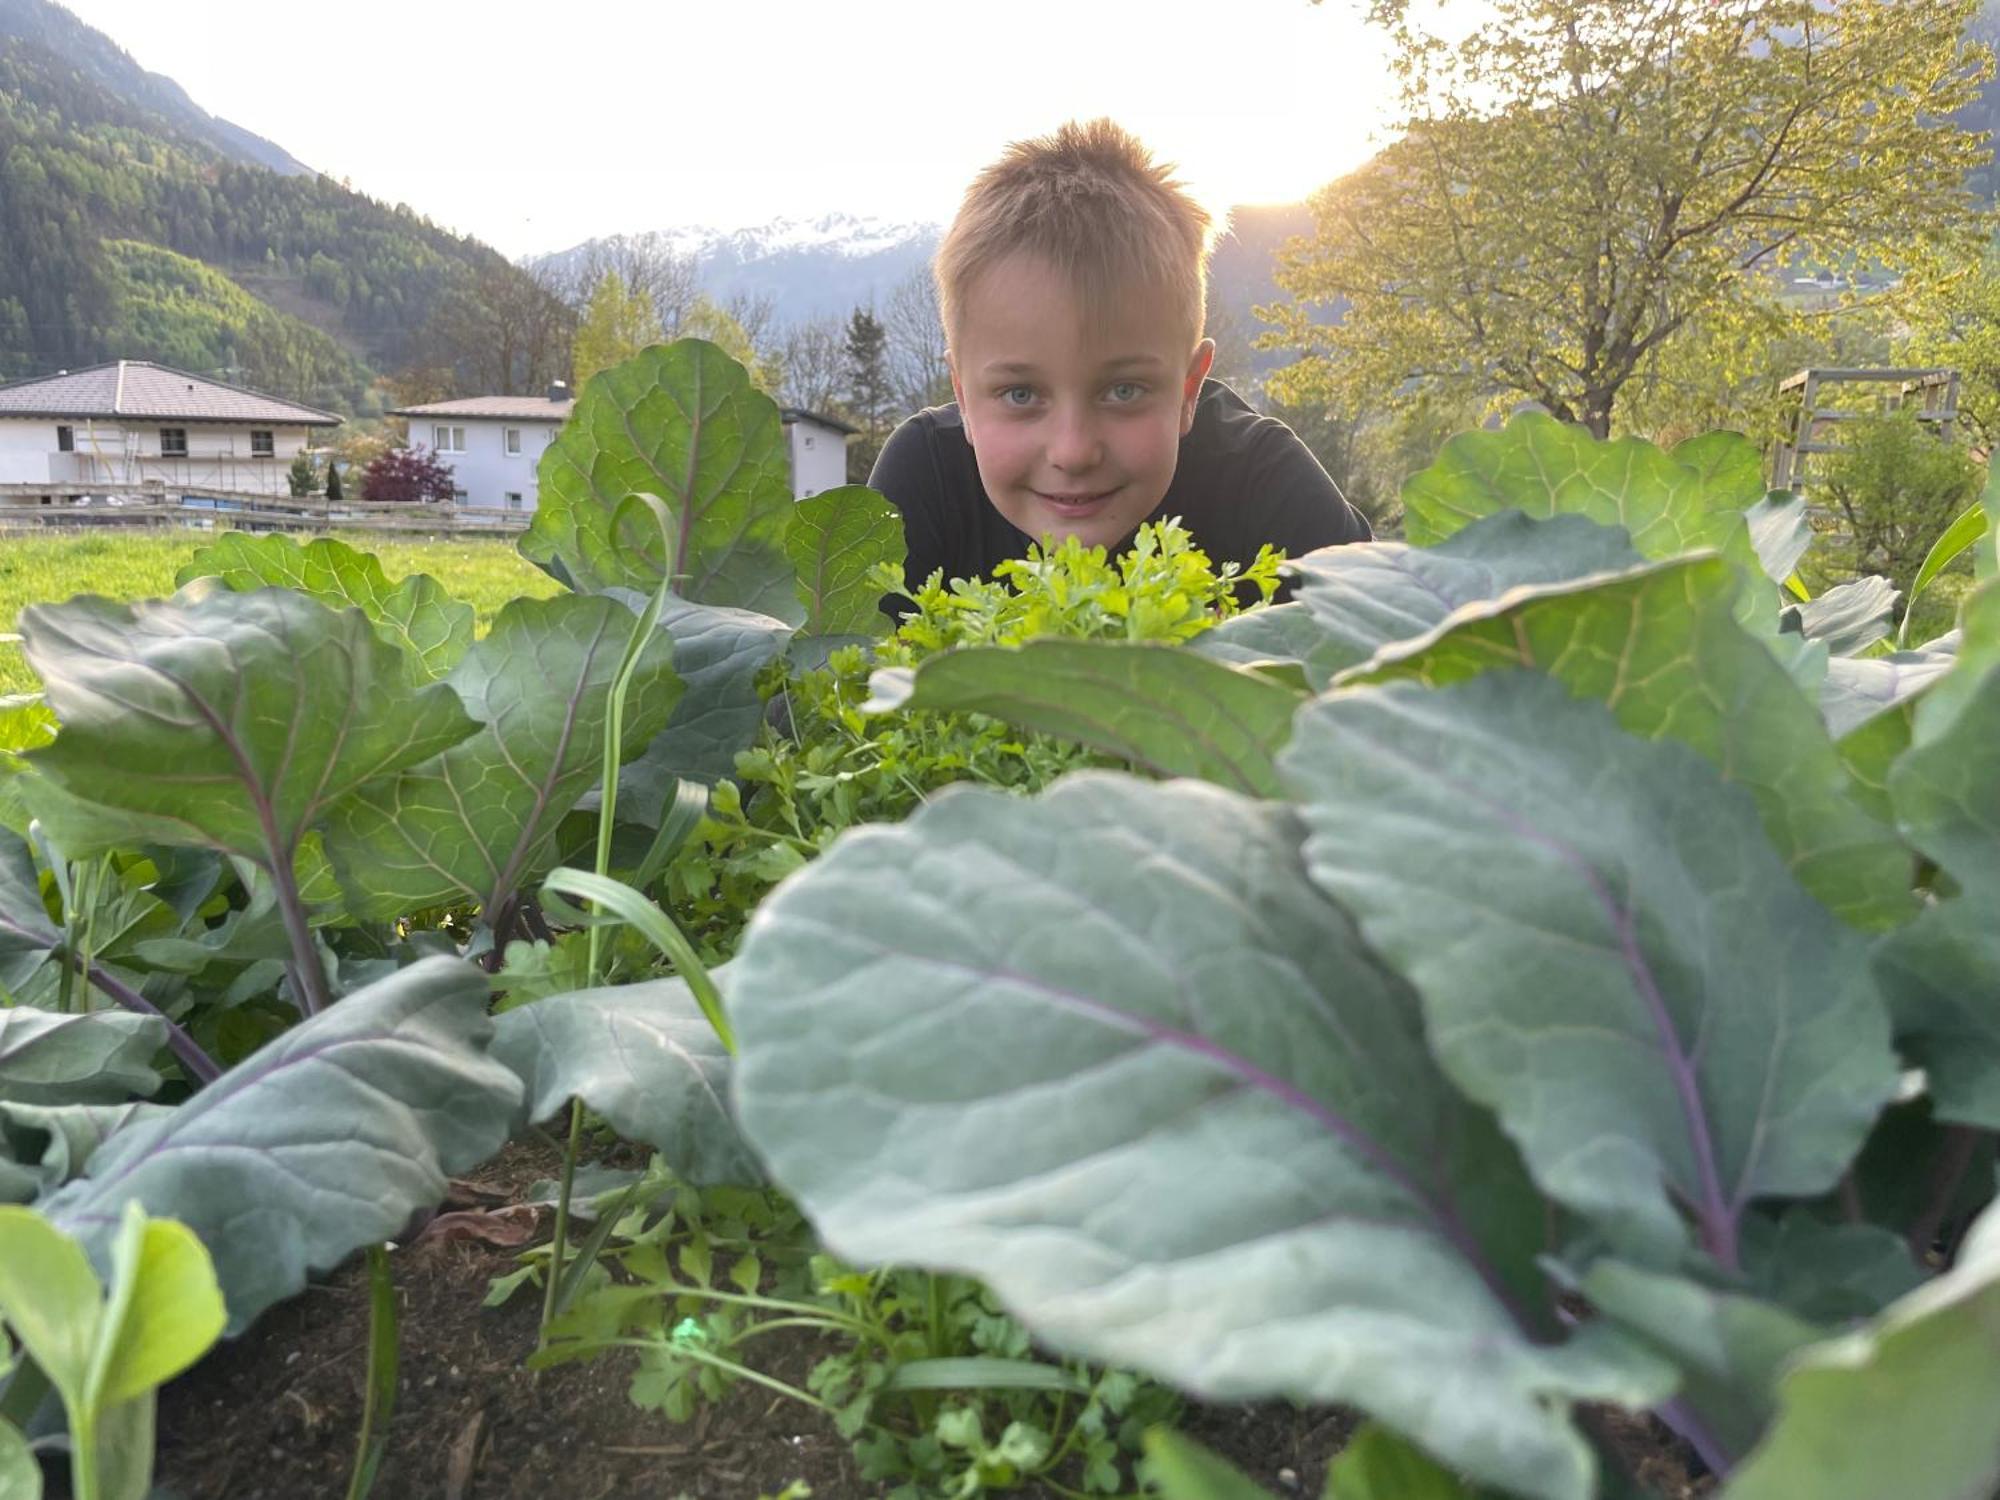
[(537, 125)]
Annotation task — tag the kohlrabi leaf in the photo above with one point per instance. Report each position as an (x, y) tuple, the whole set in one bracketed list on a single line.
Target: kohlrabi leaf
[(28, 935), (1908, 1405), (1660, 646), (680, 421), (327, 1139), (1610, 953), (226, 721), (1110, 1051), (103, 1057), (1942, 972), (1860, 688), (1374, 595), (1729, 1347), (475, 823), (1848, 617), (1275, 633), (717, 654), (836, 540), (1668, 503), (1826, 1272), (1780, 533), (645, 1058), (416, 615), (1161, 707), (54, 1141)]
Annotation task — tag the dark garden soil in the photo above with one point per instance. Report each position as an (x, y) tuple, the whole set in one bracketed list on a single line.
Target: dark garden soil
[(274, 1416)]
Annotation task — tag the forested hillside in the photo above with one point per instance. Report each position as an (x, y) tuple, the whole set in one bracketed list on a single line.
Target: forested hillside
[(95, 165)]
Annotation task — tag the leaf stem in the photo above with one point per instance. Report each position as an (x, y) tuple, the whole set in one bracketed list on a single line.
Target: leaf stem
[(559, 1240), (203, 1067), (312, 991)]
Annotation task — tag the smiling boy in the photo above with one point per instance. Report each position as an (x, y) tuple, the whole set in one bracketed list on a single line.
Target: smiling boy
[(1072, 291)]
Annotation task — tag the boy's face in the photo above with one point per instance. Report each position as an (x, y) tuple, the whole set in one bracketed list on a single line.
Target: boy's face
[(1075, 420)]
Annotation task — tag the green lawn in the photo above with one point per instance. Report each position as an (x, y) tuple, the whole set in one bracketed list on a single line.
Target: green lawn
[(35, 569)]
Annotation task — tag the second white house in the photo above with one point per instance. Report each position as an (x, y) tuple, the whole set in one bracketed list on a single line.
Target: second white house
[(492, 444)]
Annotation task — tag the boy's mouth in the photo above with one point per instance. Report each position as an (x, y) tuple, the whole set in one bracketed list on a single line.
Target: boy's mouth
[(1075, 503)]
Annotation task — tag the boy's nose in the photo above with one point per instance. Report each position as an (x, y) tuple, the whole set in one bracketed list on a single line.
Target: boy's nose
[(1073, 444)]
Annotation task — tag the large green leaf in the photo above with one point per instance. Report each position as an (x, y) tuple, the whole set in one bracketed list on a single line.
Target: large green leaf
[(1942, 973), (680, 421), (1729, 1347), (1667, 502), (1780, 532), (51, 1143), (1848, 617), (1609, 951), (1907, 1406), (1169, 710), (717, 654), (104, 1057), (1659, 645), (1278, 634), (645, 1058), (327, 1139), (1109, 1050), (433, 629), (475, 823), (224, 720), (1374, 595), (28, 935), (836, 541)]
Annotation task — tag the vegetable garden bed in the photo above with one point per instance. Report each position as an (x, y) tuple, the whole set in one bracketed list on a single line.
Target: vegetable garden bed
[(1536, 989)]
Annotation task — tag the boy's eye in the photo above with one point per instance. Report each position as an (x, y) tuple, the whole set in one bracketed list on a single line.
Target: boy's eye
[(1126, 390), (1025, 392)]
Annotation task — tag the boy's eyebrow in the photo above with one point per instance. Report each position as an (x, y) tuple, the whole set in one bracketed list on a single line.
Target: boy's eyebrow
[(1123, 362)]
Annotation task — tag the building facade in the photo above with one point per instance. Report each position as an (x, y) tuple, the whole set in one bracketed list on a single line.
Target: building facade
[(132, 422), (494, 444)]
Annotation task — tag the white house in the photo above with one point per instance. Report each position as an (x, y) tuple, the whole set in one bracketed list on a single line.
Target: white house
[(134, 422), (493, 444)]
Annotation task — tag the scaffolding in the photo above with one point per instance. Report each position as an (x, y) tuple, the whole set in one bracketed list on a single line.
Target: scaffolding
[(1826, 398)]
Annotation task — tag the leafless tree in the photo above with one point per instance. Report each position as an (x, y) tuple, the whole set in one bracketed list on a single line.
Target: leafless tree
[(813, 356), (917, 368)]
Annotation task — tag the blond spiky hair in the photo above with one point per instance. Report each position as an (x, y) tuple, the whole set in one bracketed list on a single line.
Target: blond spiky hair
[(1091, 201)]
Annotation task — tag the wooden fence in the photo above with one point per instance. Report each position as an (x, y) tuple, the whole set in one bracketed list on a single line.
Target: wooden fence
[(39, 507)]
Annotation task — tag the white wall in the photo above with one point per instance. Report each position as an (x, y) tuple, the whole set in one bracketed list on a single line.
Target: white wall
[(819, 458), (218, 455), (486, 472)]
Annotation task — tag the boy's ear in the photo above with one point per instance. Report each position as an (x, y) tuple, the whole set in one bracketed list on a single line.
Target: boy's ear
[(958, 394), (1197, 372)]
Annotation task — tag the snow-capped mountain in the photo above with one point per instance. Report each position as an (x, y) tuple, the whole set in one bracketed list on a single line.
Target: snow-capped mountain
[(814, 267)]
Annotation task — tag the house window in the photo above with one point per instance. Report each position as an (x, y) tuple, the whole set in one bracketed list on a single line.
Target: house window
[(513, 500), (513, 440), (809, 441), (458, 497), (65, 440), (448, 439), (262, 444), (173, 442)]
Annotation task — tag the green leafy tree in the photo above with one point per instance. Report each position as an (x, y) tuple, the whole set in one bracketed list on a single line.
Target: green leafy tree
[(1578, 182), (303, 477), (1895, 487), (616, 325), (705, 318), (332, 480), (870, 390)]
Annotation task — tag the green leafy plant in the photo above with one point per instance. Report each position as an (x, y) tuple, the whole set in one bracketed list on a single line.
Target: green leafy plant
[(104, 1349), (1543, 1040)]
